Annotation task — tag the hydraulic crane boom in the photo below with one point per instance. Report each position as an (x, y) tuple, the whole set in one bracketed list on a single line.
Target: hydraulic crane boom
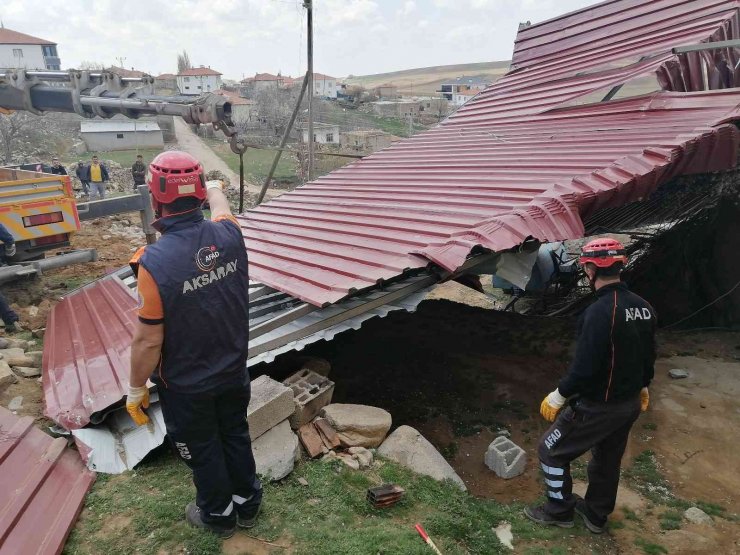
[(104, 94)]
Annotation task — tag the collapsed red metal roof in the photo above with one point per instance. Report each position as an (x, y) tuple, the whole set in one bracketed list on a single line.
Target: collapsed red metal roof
[(86, 352), (520, 160), (42, 488)]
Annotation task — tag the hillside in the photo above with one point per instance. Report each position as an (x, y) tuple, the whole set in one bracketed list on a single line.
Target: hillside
[(426, 80)]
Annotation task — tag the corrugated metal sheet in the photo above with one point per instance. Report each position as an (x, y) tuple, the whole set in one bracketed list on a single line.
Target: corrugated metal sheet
[(42, 488), (518, 161), (87, 351)]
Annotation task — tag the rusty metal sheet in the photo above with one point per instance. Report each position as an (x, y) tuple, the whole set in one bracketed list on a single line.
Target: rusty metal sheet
[(42, 488), (86, 352)]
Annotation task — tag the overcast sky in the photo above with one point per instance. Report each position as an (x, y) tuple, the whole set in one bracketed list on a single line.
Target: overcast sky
[(241, 37)]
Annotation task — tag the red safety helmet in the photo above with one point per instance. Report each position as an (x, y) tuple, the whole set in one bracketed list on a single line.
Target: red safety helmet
[(603, 253), (174, 174)]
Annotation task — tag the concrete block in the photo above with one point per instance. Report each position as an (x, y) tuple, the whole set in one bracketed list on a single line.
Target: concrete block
[(27, 371), (276, 452), (271, 403), (505, 458), (311, 393), (358, 425)]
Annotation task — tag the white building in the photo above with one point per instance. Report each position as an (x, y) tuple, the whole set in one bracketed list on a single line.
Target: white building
[(21, 51), (325, 86), (462, 89), (323, 133), (243, 110), (115, 134), (198, 80)]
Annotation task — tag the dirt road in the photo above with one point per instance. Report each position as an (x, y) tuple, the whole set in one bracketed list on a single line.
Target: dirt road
[(190, 142)]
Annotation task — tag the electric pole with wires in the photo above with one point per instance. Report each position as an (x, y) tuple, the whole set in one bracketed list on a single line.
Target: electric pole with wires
[(308, 4)]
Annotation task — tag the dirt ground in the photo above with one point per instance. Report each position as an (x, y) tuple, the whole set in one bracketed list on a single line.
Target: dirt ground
[(459, 372)]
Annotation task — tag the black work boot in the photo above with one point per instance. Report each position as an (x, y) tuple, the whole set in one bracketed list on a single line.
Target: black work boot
[(246, 515), (538, 515), (194, 516), (590, 522)]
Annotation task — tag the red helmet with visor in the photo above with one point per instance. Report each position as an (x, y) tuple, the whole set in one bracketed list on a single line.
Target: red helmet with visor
[(603, 253), (173, 175)]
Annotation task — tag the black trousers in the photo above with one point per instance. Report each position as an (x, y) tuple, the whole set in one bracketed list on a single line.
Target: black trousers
[(209, 432), (601, 427), (7, 314)]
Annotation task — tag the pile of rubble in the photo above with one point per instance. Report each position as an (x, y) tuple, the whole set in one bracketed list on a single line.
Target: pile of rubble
[(295, 416), (18, 360)]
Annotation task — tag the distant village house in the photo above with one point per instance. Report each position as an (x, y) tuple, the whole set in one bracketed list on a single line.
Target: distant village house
[(243, 110), (462, 89), (21, 51), (387, 92), (396, 108), (323, 133), (114, 134), (198, 80)]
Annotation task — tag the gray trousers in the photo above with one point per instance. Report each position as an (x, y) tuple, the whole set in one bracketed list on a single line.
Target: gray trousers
[(601, 427), (97, 190)]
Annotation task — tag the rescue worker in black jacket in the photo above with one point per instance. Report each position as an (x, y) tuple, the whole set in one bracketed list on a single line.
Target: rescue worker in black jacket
[(606, 388), (191, 341)]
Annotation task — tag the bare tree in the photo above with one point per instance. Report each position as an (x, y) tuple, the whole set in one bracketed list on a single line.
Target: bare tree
[(183, 62), (86, 64), (13, 128), (275, 108)]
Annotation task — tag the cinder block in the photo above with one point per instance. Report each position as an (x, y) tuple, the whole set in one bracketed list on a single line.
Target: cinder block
[(505, 458), (311, 393), (271, 403)]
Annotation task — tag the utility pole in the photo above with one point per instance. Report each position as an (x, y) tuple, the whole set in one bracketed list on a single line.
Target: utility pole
[(308, 4)]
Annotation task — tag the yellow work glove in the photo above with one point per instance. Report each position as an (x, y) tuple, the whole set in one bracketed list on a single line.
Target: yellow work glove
[(138, 398), (644, 399), (551, 405)]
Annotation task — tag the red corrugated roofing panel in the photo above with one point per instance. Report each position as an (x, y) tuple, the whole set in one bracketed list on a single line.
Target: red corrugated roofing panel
[(42, 488), (86, 352), (520, 160)]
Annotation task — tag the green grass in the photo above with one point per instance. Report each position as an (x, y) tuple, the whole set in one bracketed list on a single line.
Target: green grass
[(394, 126), (143, 512), (650, 426), (257, 163), (650, 548), (646, 478), (124, 157), (670, 520)]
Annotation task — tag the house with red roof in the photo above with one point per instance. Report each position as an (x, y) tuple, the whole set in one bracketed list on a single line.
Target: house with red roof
[(198, 80), (21, 51)]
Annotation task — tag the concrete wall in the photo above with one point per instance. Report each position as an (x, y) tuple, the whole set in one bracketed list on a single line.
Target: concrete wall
[(365, 142), (33, 57), (390, 109), (102, 141)]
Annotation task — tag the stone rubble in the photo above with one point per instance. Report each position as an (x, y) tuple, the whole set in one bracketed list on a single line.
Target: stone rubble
[(358, 425), (409, 448), (696, 516), (678, 373), (15, 403)]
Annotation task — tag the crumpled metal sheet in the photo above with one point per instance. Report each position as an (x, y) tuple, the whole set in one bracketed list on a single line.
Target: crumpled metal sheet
[(118, 444)]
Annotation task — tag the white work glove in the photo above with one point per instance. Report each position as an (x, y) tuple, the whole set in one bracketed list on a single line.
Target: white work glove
[(551, 405), (10, 250), (215, 184), (138, 398)]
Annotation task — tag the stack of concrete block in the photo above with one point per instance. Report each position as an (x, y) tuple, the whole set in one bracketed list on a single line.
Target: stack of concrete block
[(311, 393), (274, 444), (505, 458)]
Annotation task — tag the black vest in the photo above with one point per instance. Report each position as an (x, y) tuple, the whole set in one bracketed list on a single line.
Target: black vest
[(200, 268)]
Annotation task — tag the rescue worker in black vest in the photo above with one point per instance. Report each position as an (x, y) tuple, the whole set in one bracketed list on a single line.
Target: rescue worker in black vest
[(606, 388), (191, 340)]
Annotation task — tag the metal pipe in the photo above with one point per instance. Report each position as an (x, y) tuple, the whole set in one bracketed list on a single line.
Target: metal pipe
[(283, 141), (706, 46), (60, 260)]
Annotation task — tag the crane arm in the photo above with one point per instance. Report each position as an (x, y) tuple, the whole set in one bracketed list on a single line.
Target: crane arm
[(104, 94)]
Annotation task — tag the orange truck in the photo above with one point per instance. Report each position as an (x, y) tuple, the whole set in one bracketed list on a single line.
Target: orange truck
[(39, 210)]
